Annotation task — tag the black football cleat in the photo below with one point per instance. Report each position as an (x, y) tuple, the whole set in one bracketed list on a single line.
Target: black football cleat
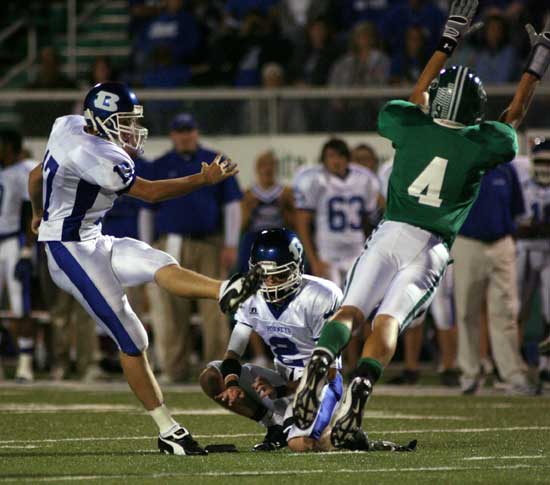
[(308, 394), (275, 439), (349, 416), (181, 443), (239, 288)]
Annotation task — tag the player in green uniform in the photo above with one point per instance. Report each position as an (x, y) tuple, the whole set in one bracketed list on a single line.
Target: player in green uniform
[(442, 151)]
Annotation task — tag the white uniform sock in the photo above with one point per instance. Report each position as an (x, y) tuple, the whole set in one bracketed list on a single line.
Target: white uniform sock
[(166, 423)]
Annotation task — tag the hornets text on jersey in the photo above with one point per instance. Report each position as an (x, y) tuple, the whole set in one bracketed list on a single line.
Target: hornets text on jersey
[(293, 333)]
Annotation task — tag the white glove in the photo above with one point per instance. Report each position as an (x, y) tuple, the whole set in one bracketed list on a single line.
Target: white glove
[(539, 58), (459, 24)]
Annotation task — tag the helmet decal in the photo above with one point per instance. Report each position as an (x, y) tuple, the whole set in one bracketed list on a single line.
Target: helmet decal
[(106, 101)]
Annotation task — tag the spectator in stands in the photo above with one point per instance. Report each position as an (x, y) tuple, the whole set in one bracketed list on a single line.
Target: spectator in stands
[(50, 75), (142, 12), (238, 10), (356, 11), (37, 117), (366, 156), (296, 15), (511, 9), (268, 204), (202, 231), (408, 64), (175, 29), (102, 71), (496, 62), (399, 18), (485, 265), (164, 72), (310, 66), (364, 65), (290, 117)]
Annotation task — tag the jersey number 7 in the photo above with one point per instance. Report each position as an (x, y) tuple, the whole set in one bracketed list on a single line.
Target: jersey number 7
[(427, 186)]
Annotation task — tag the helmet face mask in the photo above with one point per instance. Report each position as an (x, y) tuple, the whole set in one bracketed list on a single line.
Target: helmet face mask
[(279, 253), (457, 97), (279, 282), (541, 163), (112, 111)]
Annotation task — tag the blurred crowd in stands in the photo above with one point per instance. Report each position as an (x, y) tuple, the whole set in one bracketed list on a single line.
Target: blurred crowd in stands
[(283, 43)]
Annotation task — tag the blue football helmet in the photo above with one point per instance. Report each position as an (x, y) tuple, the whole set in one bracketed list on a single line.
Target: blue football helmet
[(113, 111), (280, 254), (541, 162)]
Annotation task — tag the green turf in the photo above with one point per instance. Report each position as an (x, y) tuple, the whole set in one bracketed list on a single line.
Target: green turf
[(442, 455)]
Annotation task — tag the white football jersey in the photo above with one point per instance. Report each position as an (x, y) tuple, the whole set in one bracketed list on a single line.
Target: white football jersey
[(340, 206), (537, 210), (83, 175), (13, 192), (293, 334)]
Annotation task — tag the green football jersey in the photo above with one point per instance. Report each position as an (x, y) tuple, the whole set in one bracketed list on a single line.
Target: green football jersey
[(437, 170)]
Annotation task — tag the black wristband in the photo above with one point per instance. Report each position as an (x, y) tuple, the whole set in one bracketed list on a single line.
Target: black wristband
[(230, 366), (447, 45), (232, 383), (281, 391)]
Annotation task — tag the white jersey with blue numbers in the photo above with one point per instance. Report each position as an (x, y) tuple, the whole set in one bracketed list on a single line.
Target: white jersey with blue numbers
[(340, 205), (13, 192), (83, 175), (293, 334)]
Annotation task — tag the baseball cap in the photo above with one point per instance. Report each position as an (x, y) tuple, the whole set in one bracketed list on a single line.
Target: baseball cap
[(184, 121)]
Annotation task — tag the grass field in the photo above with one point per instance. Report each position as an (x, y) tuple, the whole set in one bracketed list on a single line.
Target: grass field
[(100, 434)]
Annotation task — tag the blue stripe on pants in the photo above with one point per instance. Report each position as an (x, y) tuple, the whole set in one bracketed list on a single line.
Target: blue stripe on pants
[(78, 277), (333, 394)]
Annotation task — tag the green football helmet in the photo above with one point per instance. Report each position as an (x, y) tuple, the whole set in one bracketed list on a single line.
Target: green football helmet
[(458, 96)]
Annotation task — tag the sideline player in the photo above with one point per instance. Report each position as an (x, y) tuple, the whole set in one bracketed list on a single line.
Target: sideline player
[(288, 313), (15, 259), (84, 169), (534, 244), (442, 151), (335, 197)]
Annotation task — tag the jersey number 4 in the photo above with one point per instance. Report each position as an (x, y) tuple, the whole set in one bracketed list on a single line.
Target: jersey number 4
[(427, 186)]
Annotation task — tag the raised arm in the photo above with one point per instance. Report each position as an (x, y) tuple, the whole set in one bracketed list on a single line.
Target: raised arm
[(158, 190), (458, 25), (35, 194), (536, 68)]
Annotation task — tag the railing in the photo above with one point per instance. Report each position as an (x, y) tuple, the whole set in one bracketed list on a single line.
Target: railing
[(28, 61), (74, 21), (268, 110)]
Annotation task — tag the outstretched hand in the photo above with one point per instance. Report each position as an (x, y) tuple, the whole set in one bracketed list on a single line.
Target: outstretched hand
[(459, 23), (219, 170)]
